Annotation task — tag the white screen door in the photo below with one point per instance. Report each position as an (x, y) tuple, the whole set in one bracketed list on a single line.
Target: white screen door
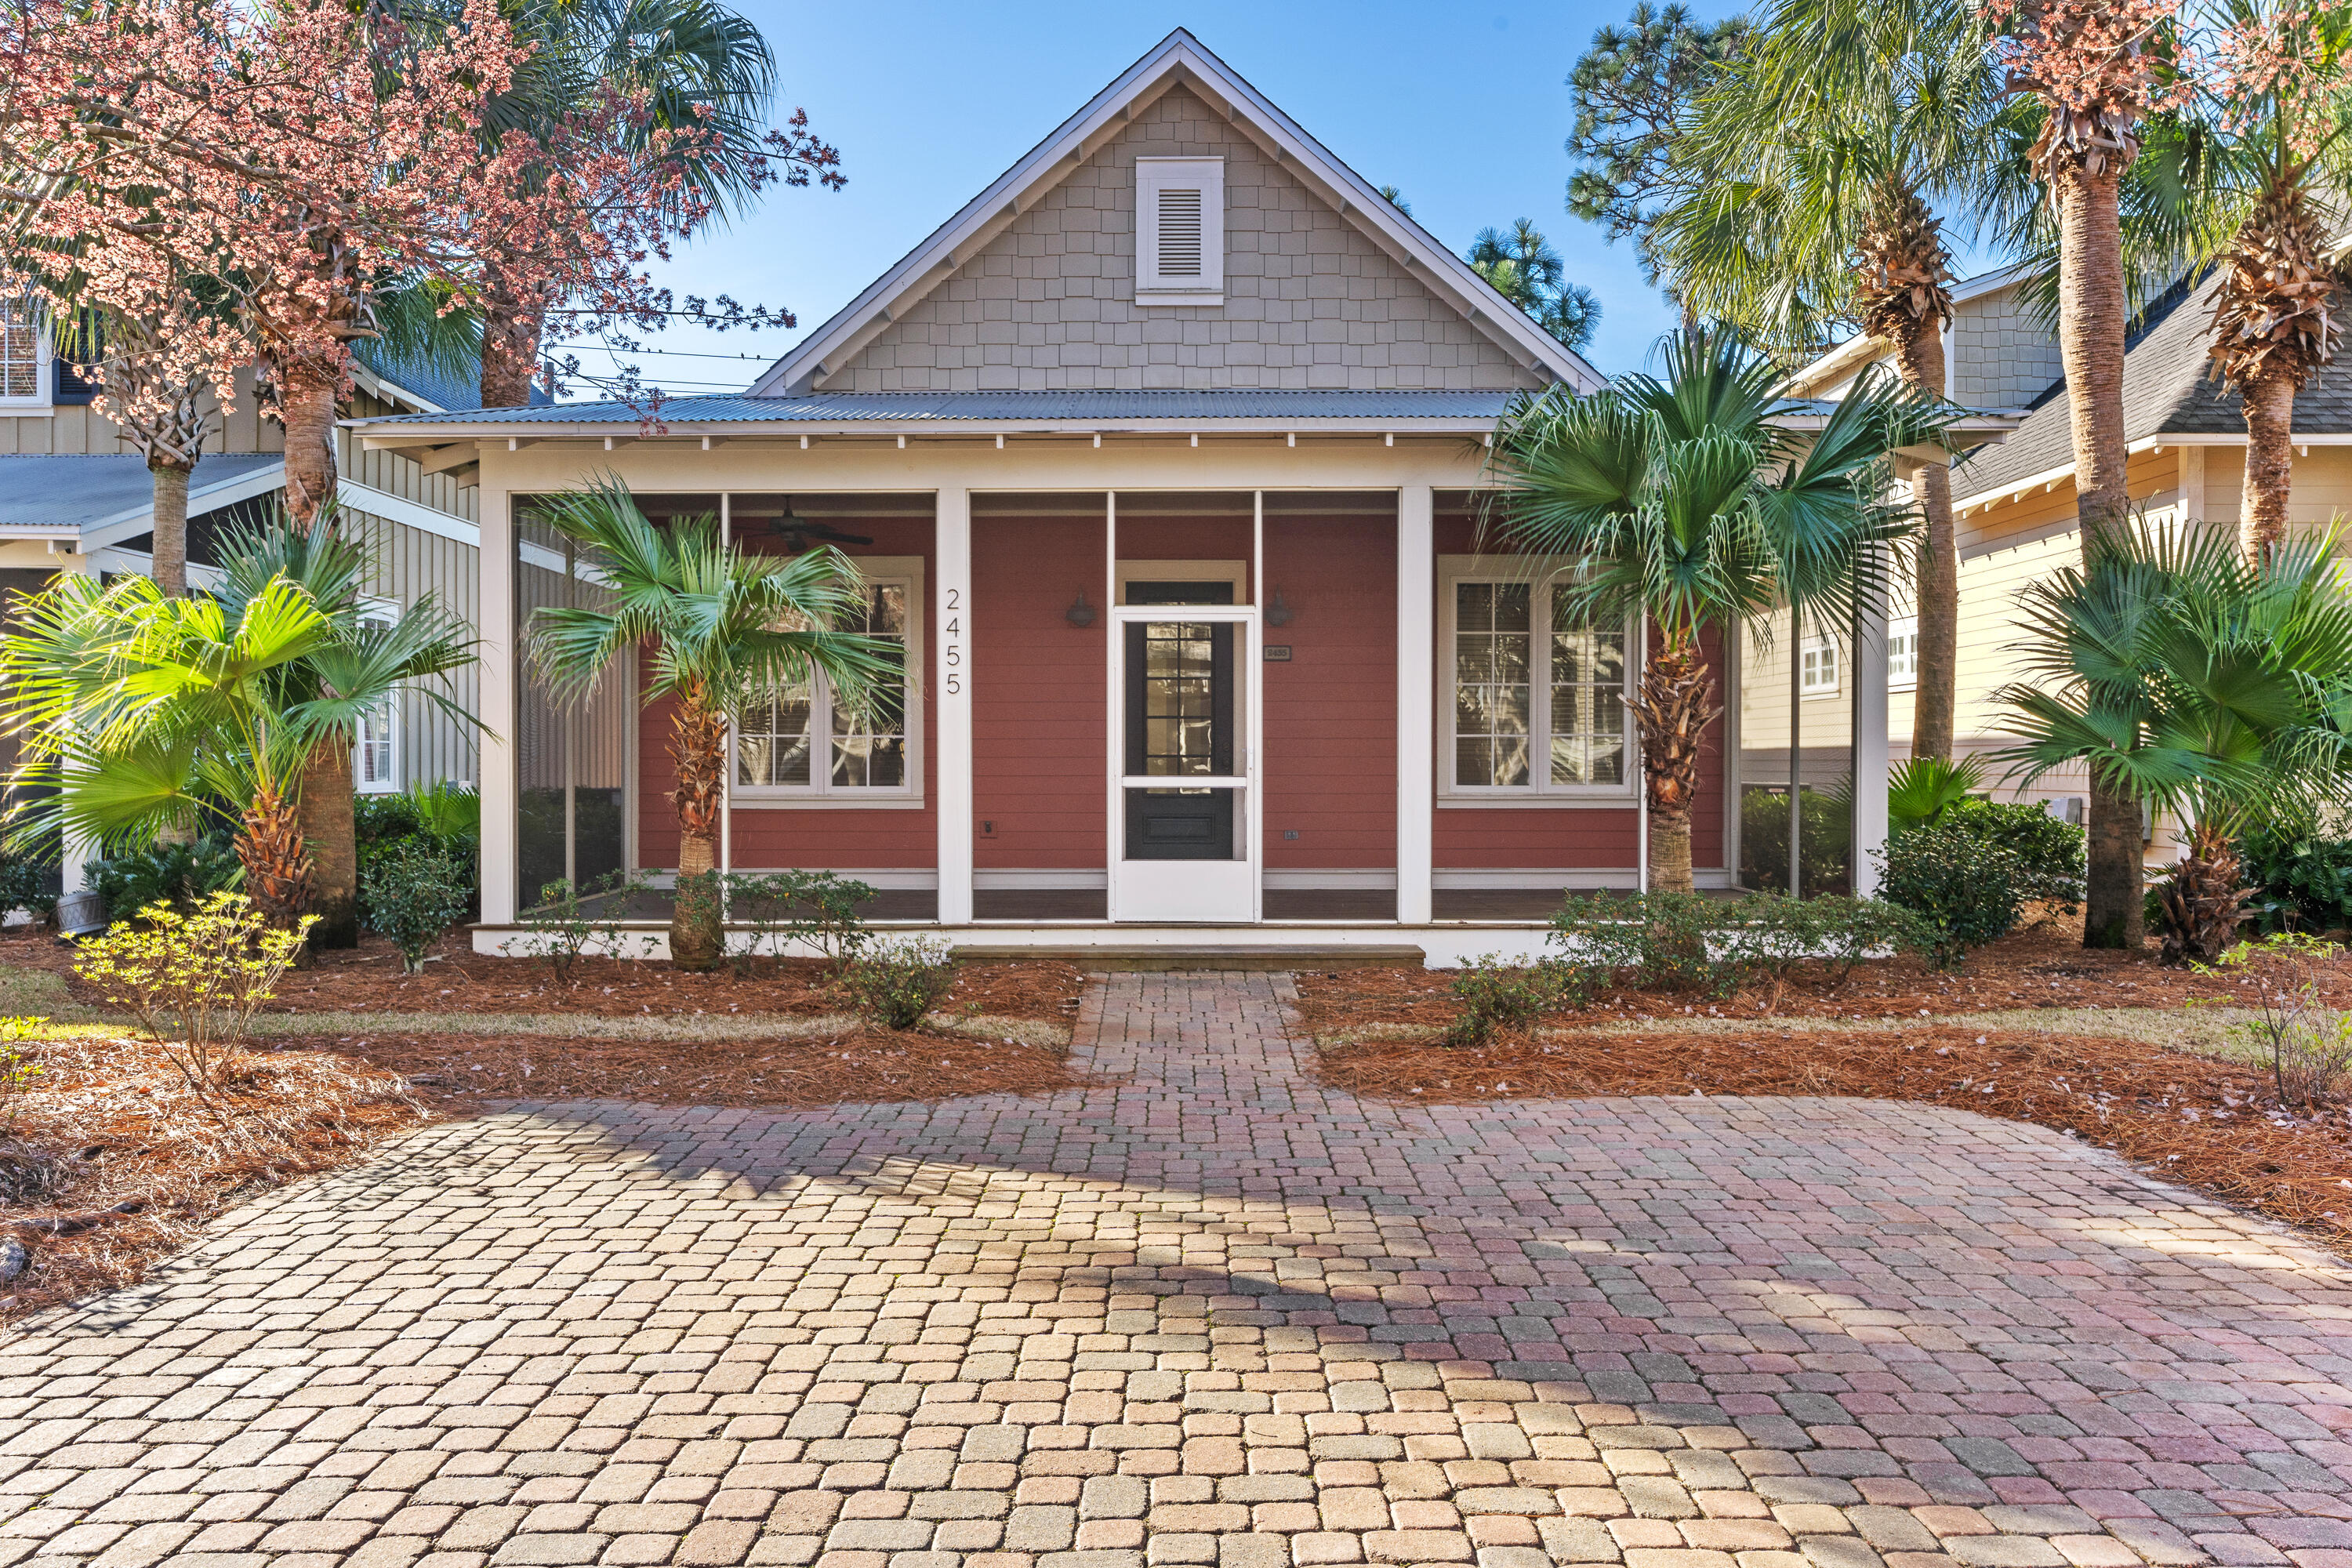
[(1185, 737)]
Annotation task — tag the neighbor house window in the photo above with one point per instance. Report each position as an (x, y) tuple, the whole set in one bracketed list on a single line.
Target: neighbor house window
[(375, 752), (24, 354), (1902, 653), (1180, 231), (1539, 686), (1817, 671), (808, 741)]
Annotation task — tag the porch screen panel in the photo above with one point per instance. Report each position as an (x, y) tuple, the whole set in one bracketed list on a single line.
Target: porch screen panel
[(571, 757)]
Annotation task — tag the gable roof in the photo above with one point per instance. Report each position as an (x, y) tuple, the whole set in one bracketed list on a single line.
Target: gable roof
[(2167, 391), (1177, 59), (1850, 356)]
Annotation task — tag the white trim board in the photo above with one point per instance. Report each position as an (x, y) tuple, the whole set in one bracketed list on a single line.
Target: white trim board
[(407, 512), (132, 521)]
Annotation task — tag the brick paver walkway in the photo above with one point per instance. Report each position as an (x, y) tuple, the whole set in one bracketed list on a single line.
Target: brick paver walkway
[(1209, 1315)]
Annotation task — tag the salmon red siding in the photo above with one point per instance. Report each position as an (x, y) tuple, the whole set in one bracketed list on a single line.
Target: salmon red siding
[(1038, 694), (1330, 710)]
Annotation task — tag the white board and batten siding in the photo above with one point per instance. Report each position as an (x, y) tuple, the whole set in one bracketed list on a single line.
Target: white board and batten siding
[(405, 564)]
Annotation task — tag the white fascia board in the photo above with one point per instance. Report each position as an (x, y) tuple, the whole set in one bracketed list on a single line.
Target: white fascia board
[(1367, 426), (2015, 489), (367, 381), (409, 514), (1176, 56), (133, 522)]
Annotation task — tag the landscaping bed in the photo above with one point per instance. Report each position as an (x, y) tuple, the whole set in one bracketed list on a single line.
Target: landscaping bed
[(2109, 1047), (110, 1160)]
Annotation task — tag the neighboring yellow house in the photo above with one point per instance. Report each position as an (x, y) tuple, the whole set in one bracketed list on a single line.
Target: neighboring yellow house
[(2014, 501)]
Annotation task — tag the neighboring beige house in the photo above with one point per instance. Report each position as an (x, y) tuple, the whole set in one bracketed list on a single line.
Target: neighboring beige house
[(2013, 502)]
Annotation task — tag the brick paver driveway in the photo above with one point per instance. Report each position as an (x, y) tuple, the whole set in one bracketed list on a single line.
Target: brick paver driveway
[(1211, 1314)]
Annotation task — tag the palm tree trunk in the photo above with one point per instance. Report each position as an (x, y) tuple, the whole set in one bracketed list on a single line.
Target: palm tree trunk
[(329, 828), (276, 868), (1675, 705), (697, 937), (1936, 582), (2269, 406), (2091, 321), (511, 336), (2205, 899), (306, 409), (171, 541)]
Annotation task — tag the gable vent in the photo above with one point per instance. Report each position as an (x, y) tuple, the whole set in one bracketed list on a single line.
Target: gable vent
[(1180, 238), (1180, 233)]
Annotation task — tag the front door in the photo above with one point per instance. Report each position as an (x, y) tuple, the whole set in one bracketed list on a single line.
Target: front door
[(1185, 809)]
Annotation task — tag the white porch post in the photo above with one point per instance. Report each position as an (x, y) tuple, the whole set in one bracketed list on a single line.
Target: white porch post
[(1869, 745), (499, 707), (952, 616), (74, 854), (1416, 710)]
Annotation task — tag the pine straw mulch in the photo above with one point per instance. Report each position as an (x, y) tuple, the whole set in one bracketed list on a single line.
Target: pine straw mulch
[(2204, 1123), (109, 1161), (463, 1072), (459, 980), (2043, 966)]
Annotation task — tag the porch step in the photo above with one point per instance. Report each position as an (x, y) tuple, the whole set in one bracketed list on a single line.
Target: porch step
[(1208, 955)]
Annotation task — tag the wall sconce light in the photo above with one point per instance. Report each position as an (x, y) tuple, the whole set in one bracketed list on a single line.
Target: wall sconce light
[(1080, 613), (1277, 614)]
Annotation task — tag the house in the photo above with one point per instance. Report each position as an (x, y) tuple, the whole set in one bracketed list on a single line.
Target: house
[(1161, 456), (74, 497), (2013, 503)]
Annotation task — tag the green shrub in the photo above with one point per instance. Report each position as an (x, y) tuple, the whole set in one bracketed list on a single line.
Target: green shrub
[(567, 923), (1495, 995), (413, 892), (1970, 891), (1662, 937), (27, 883), (2302, 878), (1769, 936), (780, 907), (1826, 840), (444, 820), (197, 973), (180, 875), (2051, 858), (895, 983)]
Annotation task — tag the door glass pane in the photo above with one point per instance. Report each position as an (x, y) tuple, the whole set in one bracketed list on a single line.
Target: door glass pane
[(1180, 698)]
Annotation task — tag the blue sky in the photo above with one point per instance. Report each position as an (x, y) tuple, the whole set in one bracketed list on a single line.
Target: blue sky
[(1463, 106)]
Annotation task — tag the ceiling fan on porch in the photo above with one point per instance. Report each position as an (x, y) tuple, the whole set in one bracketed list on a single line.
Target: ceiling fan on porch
[(798, 531)]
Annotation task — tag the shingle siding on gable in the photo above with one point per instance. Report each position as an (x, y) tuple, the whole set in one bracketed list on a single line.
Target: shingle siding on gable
[(1050, 304), (2002, 357)]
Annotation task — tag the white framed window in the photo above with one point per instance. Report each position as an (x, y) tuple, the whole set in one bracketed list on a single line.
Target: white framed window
[(807, 744), (1180, 231), (1817, 671), (24, 357), (375, 748), (1534, 705), (1902, 653)]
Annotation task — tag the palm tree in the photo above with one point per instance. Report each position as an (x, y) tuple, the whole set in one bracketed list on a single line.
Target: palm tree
[(1827, 150), (2246, 183), (140, 709), (1681, 497), (167, 417), (2212, 687), (149, 710), (722, 629), (2094, 72), (370, 659), (703, 69)]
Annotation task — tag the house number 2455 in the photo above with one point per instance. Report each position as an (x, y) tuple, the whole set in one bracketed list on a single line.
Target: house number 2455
[(952, 644)]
